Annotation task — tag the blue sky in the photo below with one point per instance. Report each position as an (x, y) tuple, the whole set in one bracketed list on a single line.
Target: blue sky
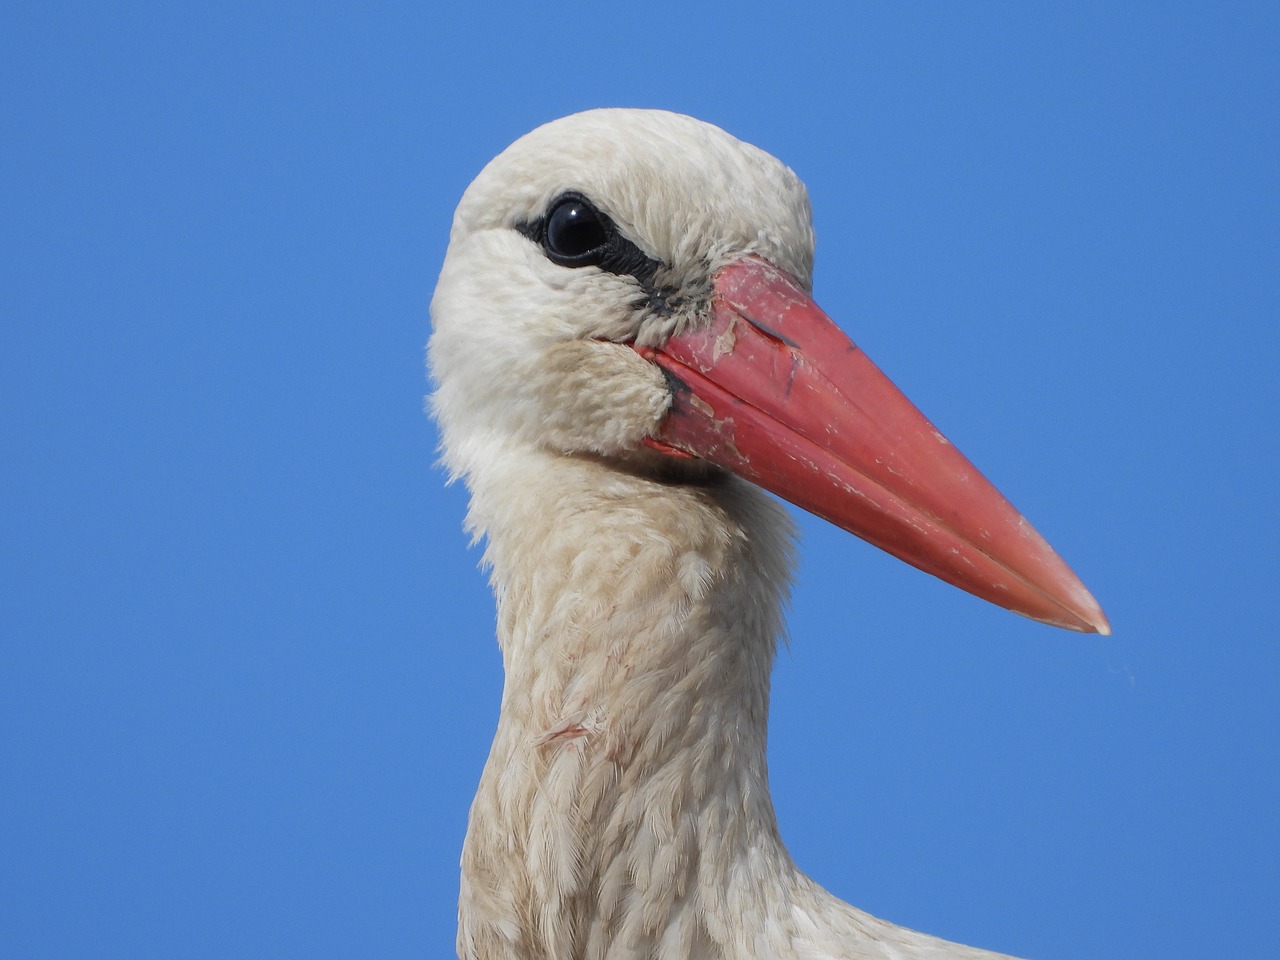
[(248, 676)]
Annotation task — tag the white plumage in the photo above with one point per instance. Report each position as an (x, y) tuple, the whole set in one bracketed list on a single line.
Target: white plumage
[(624, 812)]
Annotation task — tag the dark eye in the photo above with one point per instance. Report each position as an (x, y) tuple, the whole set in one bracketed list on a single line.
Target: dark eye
[(573, 233), (576, 234)]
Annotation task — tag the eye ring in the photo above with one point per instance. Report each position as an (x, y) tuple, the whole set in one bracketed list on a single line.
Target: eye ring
[(575, 233)]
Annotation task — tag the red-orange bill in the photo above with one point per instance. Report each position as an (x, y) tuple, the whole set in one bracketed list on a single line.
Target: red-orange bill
[(774, 391)]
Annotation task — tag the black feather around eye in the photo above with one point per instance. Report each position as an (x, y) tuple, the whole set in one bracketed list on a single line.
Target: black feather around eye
[(574, 233)]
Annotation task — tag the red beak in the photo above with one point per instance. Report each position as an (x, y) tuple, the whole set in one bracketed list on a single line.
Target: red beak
[(774, 391)]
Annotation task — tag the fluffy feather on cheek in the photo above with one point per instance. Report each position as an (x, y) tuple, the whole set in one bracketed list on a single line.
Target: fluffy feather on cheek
[(596, 397)]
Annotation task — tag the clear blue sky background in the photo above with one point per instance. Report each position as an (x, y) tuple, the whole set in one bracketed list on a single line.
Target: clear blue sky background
[(247, 671)]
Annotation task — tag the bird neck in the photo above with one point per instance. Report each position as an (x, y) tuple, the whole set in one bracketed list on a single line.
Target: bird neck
[(624, 812), (626, 794)]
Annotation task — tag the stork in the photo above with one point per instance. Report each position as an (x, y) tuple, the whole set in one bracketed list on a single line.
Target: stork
[(624, 352)]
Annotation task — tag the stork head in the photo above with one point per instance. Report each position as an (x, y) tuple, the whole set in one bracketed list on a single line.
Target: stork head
[(633, 285)]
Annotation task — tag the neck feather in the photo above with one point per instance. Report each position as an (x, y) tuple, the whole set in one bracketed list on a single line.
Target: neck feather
[(624, 811)]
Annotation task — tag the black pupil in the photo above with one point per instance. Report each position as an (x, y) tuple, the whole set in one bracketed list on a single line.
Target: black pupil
[(574, 230)]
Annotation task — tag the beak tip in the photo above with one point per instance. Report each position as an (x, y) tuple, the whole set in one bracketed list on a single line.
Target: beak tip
[(1090, 615)]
